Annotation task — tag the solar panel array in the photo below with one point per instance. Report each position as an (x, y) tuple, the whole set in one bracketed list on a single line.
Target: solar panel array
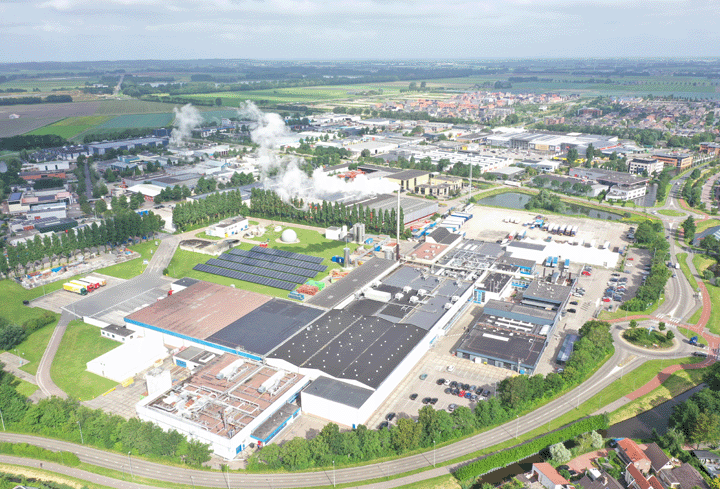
[(288, 277), (287, 254), (266, 264), (247, 277), (278, 259)]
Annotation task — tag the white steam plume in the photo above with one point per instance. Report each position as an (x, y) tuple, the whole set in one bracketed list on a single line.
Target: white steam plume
[(290, 181), (187, 118)]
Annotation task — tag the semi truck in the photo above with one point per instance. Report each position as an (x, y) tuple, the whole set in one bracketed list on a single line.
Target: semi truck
[(73, 287), (95, 284), (88, 285), (98, 280)]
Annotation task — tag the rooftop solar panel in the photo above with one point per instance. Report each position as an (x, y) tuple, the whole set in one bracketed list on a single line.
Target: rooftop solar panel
[(278, 259)]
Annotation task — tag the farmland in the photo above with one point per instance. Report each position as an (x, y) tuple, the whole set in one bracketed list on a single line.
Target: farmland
[(72, 126), (136, 121), (36, 116), (298, 94), (46, 85)]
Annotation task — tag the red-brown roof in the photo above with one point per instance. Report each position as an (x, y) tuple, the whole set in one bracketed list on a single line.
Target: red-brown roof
[(655, 483), (632, 450), (642, 482), (550, 472)]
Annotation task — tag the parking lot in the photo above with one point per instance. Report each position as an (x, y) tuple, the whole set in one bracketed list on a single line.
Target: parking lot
[(434, 364), (59, 299)]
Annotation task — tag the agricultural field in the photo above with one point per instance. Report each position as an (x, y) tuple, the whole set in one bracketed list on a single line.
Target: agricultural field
[(136, 121), (299, 94), (72, 126), (47, 85), (38, 115), (132, 106)]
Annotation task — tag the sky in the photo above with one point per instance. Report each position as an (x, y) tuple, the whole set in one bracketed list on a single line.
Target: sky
[(88, 30)]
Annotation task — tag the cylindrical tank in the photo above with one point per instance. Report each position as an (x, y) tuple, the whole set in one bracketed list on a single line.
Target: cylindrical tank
[(346, 255), (389, 254)]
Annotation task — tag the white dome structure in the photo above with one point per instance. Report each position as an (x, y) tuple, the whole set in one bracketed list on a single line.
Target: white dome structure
[(288, 236)]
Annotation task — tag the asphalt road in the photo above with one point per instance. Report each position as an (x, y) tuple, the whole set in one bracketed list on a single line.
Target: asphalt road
[(45, 382)]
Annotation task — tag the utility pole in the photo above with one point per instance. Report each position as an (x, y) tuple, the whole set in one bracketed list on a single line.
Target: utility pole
[(82, 440), (3, 419), (433, 453), (333, 473), (130, 464), (397, 245)]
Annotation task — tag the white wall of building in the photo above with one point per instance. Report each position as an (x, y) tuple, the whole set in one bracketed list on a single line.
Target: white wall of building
[(128, 359)]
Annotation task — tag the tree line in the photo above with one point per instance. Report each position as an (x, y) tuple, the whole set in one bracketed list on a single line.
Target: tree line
[(50, 99), (515, 395), (59, 418), (650, 235), (29, 141), (111, 231), (268, 205)]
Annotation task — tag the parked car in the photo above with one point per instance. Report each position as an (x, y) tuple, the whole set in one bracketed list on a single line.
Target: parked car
[(434, 401), (384, 424), (440, 381), (606, 299), (572, 311), (450, 368), (448, 390), (615, 274), (461, 393), (486, 393), (413, 397), (390, 416), (423, 376), (468, 395), (452, 407), (574, 303), (447, 382), (426, 400), (453, 384)]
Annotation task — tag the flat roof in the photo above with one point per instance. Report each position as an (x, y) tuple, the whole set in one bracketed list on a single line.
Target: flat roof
[(265, 327), (527, 246), (338, 391), (274, 421), (349, 345), (186, 282), (200, 310), (444, 236), (503, 344), (547, 292), (118, 330), (334, 294), (494, 282)]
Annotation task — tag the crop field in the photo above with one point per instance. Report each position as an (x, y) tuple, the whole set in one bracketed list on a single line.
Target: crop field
[(216, 115), (298, 94), (72, 126), (47, 84), (39, 115), (136, 121), (132, 106)]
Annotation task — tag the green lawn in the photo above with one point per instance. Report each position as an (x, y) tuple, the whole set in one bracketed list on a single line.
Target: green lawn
[(132, 268), (701, 262), (714, 323), (670, 212), (136, 121), (311, 243), (204, 235), (695, 317), (674, 385), (26, 388), (12, 296), (80, 344), (701, 226), (32, 349), (689, 334), (682, 260)]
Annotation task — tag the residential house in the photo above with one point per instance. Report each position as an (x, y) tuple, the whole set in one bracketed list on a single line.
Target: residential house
[(636, 480), (684, 476), (658, 459), (631, 453), (709, 460), (549, 477)]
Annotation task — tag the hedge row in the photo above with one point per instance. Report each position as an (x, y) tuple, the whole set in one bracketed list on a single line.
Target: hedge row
[(511, 455), (32, 451)]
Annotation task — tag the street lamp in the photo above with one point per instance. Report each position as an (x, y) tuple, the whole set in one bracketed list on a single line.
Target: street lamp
[(130, 464), (517, 425), (227, 481), (193, 481), (3, 419), (333, 473), (82, 440), (433, 453)]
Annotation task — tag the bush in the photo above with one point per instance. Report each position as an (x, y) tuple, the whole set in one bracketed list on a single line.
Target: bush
[(560, 453)]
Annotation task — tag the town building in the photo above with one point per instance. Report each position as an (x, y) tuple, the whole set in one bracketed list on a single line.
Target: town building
[(710, 148), (648, 166), (228, 227), (677, 161), (549, 477)]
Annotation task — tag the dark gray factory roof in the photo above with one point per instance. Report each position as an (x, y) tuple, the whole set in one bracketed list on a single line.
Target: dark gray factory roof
[(118, 330), (567, 347), (274, 421), (494, 282), (511, 307), (502, 344), (547, 292), (444, 236), (265, 327), (515, 262), (527, 246), (351, 346), (334, 294), (338, 391), (190, 352)]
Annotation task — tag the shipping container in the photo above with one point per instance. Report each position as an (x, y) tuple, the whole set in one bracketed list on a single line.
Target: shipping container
[(567, 263), (555, 261), (96, 284), (72, 287), (562, 229), (568, 230), (88, 285), (574, 230)]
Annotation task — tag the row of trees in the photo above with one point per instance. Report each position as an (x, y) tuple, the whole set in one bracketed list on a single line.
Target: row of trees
[(699, 417), (522, 392), (50, 99), (546, 201), (17, 143), (566, 185), (515, 395), (267, 204), (12, 334), (112, 231), (650, 235), (663, 183), (59, 418)]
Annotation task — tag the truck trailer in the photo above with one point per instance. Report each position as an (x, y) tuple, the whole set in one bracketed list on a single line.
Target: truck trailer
[(73, 287)]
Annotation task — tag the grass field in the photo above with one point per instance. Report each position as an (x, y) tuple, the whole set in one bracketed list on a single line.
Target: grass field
[(32, 349), (674, 385), (132, 106), (132, 268), (12, 296), (701, 262), (682, 260), (670, 212), (689, 334), (695, 317), (46, 84), (26, 388), (311, 243), (714, 322), (72, 126), (703, 225), (80, 344)]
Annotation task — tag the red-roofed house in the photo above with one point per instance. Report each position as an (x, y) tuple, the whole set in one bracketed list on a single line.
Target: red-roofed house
[(636, 480), (549, 477), (631, 453)]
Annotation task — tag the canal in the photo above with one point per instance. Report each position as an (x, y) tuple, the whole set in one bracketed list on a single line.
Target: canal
[(516, 200)]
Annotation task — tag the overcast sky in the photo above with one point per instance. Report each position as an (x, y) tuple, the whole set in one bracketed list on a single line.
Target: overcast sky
[(76, 30)]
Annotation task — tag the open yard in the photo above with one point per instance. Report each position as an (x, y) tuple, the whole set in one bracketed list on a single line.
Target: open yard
[(80, 344), (311, 243), (132, 268)]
